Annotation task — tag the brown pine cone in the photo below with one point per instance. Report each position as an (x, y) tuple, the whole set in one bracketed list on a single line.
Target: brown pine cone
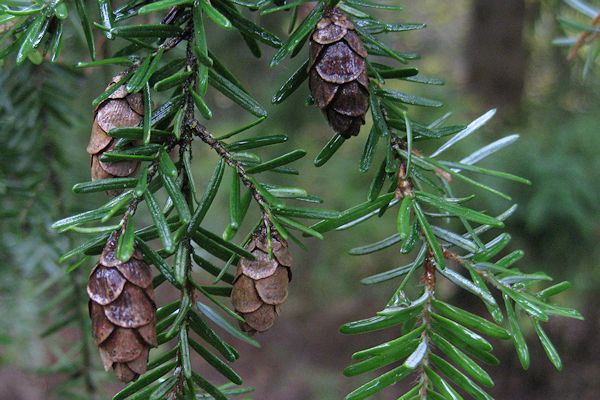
[(261, 285), (338, 77), (123, 312), (120, 110)]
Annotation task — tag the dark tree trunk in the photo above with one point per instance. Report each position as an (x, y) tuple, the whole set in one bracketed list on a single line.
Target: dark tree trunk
[(496, 54)]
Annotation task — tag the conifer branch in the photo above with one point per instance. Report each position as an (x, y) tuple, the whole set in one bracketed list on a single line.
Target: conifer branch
[(200, 131), (437, 342)]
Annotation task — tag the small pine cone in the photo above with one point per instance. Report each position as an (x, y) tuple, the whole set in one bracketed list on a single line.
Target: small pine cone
[(338, 77), (123, 312), (261, 285), (120, 110)]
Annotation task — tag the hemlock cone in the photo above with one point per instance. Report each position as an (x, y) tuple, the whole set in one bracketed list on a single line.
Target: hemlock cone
[(261, 285), (338, 77), (123, 311), (120, 110)]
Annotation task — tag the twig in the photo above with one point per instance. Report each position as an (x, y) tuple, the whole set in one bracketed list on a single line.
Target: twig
[(172, 42), (584, 38), (429, 281), (200, 130), (193, 127), (398, 144), (405, 187)]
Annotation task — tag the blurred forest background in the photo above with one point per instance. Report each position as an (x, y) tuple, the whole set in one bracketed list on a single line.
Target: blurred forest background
[(490, 53)]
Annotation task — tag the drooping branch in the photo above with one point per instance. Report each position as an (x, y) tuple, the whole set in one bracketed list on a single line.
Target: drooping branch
[(584, 37), (193, 127), (208, 138)]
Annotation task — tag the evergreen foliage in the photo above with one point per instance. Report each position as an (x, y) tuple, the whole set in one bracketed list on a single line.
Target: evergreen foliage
[(582, 22), (166, 57)]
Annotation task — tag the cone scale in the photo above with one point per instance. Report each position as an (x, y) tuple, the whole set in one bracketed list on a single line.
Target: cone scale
[(120, 110), (122, 308), (338, 77), (261, 285)]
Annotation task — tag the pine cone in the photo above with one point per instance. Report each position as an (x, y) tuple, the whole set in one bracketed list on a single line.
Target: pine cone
[(338, 77), (121, 109), (261, 285), (123, 312)]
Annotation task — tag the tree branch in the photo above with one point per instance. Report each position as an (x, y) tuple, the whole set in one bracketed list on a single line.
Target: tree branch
[(200, 130), (429, 280)]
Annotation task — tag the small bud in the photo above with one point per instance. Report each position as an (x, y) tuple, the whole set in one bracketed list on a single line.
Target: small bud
[(404, 187)]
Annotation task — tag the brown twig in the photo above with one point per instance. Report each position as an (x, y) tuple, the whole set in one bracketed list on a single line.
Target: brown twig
[(584, 37), (429, 280), (193, 127), (405, 187), (204, 135), (398, 144)]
